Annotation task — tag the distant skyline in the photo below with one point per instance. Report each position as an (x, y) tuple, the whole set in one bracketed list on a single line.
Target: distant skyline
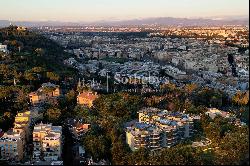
[(96, 10)]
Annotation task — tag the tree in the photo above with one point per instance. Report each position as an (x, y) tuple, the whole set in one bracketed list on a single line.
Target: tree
[(38, 69), (189, 88), (208, 158), (53, 114), (81, 112), (68, 102), (30, 76), (53, 76), (71, 96), (118, 105), (5, 92), (97, 147), (178, 155), (22, 100), (40, 51), (241, 98), (209, 97), (234, 147), (6, 120), (119, 152), (139, 157), (171, 87)]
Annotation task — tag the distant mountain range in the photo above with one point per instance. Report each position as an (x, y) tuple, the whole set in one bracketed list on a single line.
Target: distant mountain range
[(167, 21)]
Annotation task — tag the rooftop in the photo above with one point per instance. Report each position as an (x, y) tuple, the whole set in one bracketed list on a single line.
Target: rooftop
[(88, 94)]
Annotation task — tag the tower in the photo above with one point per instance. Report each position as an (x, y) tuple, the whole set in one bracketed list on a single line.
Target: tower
[(79, 83)]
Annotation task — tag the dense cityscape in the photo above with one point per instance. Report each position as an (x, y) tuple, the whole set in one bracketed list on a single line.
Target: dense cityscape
[(148, 94)]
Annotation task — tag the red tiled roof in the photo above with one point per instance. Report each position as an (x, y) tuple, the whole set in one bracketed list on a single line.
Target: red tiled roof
[(33, 93), (89, 95)]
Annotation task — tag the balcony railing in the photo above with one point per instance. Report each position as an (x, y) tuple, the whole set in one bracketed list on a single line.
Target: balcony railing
[(154, 138)]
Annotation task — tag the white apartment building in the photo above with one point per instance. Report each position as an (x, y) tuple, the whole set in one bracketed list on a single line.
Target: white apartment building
[(3, 48), (157, 129)]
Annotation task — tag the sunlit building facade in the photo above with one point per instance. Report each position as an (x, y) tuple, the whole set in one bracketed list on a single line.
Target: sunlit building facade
[(47, 141), (157, 129)]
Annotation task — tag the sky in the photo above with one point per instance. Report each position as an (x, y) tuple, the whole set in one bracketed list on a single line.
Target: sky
[(96, 10)]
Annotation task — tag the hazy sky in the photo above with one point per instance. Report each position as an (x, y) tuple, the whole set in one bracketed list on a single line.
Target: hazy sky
[(92, 10)]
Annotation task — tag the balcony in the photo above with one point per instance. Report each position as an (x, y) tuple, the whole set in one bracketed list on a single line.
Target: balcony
[(170, 144), (155, 134), (51, 158), (154, 142), (143, 144), (156, 146), (170, 138), (139, 144), (37, 139)]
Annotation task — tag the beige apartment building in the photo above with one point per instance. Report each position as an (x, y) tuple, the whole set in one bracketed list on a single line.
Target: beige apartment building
[(47, 91), (12, 146), (22, 123), (157, 129), (13, 142), (47, 141)]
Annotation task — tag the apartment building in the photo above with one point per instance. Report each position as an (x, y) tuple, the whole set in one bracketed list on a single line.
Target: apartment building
[(77, 127), (3, 48), (47, 91), (47, 141), (87, 98), (13, 142), (157, 129), (12, 146), (143, 135), (80, 129), (22, 123), (213, 112)]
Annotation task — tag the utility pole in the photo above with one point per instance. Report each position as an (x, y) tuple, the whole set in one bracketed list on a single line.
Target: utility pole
[(107, 82), (14, 82)]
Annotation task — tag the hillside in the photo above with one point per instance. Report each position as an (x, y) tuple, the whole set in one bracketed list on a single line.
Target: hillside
[(31, 61), (35, 50)]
